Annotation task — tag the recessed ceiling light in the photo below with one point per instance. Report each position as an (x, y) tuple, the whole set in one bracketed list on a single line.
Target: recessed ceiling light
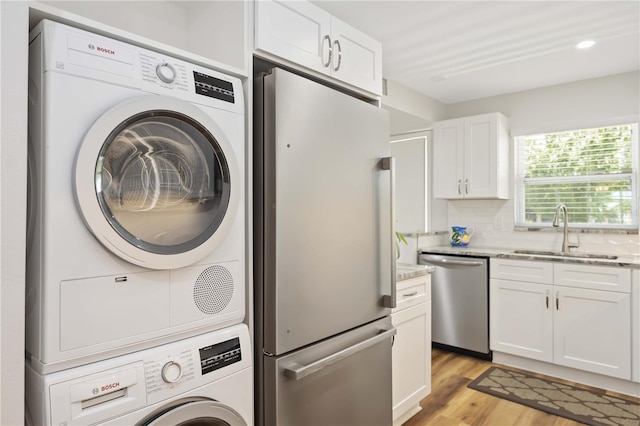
[(585, 44)]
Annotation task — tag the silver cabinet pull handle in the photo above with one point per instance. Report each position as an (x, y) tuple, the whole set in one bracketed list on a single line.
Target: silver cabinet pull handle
[(413, 293), (388, 163), (301, 371), (547, 299), (466, 186), (337, 44), (328, 39), (459, 187), (557, 300)]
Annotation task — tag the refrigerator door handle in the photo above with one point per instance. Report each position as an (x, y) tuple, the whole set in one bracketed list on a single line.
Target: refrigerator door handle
[(298, 372), (389, 163)]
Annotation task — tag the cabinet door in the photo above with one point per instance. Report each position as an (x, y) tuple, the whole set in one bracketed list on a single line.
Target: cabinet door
[(294, 30), (356, 57), (448, 159), (411, 359), (521, 319), (592, 331), (480, 156)]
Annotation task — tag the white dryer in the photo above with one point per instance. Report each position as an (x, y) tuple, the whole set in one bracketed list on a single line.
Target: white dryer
[(203, 380), (136, 228)]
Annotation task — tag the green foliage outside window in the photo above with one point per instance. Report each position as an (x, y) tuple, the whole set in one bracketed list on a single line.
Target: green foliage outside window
[(592, 171)]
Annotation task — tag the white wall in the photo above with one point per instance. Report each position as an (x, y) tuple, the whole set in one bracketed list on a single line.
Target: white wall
[(583, 104), (409, 101), (165, 22), (13, 169), (211, 29), (410, 110)]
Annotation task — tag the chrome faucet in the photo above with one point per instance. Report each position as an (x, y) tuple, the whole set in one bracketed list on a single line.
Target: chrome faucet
[(566, 245)]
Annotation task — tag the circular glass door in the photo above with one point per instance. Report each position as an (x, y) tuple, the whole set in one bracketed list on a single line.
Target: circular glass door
[(157, 180), (195, 412), (162, 182)]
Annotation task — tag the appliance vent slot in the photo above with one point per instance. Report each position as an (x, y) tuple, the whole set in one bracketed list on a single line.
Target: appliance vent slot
[(213, 289)]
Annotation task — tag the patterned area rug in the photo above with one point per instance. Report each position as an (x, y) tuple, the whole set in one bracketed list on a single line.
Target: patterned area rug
[(586, 406)]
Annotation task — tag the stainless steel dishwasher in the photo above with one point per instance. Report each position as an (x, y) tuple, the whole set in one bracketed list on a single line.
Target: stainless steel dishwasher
[(460, 303)]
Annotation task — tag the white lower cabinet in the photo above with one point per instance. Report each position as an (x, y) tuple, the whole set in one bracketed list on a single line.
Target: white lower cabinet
[(592, 331), (520, 320), (583, 328), (411, 347)]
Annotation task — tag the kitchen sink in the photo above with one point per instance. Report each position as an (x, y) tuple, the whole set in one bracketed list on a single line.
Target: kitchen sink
[(561, 254)]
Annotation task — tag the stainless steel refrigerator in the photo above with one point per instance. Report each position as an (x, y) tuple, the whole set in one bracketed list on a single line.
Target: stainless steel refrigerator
[(323, 249)]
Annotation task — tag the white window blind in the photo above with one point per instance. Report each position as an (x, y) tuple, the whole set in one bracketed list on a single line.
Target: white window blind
[(592, 171)]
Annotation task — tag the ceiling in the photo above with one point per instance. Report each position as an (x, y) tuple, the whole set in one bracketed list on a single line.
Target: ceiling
[(455, 51)]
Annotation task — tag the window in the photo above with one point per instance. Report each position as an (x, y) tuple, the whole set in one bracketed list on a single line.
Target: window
[(594, 172)]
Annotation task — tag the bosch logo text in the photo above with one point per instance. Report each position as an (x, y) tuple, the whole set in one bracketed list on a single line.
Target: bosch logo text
[(110, 386), (103, 50)]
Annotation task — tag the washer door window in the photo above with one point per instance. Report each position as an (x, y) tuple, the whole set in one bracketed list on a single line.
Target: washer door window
[(195, 412), (157, 182)]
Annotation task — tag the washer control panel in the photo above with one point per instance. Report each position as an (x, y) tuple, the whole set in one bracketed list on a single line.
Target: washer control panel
[(97, 392), (177, 368)]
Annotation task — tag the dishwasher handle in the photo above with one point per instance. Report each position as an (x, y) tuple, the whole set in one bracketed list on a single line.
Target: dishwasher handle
[(444, 262), (301, 371)]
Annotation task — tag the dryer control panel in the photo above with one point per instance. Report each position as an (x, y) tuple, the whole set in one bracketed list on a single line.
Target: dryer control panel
[(93, 56)]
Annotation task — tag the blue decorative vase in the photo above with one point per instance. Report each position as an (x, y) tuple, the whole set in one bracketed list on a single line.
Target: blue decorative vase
[(460, 236)]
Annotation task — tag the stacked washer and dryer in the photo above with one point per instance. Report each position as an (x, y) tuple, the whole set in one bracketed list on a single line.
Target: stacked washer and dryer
[(136, 237)]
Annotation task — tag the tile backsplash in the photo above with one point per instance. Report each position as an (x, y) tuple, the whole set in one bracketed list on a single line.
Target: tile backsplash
[(493, 223)]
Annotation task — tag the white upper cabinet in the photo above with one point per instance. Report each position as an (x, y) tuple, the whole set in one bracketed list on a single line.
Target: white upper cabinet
[(306, 35), (471, 157), (297, 31)]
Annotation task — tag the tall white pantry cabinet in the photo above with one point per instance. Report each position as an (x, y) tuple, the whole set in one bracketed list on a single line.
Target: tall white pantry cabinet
[(471, 157)]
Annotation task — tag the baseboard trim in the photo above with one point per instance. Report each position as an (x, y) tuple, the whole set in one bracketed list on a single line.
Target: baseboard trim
[(614, 384)]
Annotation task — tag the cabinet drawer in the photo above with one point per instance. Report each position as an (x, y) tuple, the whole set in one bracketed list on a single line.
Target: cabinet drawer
[(593, 277), (521, 270), (412, 291)]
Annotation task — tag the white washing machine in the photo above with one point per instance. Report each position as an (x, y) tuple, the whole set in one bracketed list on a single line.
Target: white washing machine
[(203, 380), (136, 228)]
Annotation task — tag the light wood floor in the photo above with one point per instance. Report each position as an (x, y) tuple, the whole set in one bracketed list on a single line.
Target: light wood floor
[(452, 403)]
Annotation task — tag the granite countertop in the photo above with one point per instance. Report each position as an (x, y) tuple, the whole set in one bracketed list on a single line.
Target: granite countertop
[(632, 261), (404, 271)]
